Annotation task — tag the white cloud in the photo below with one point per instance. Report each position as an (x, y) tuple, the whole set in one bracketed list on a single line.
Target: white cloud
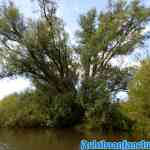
[(9, 86)]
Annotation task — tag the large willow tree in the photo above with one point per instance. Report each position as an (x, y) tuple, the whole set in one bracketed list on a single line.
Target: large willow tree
[(39, 49)]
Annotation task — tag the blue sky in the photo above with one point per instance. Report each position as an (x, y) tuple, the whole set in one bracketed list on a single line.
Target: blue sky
[(69, 10)]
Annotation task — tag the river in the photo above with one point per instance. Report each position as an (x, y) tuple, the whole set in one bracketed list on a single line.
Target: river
[(39, 139), (44, 139)]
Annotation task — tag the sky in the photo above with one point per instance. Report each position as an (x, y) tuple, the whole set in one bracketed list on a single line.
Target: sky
[(69, 10)]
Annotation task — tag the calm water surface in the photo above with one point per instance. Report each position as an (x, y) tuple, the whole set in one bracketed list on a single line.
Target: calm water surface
[(39, 139), (43, 139)]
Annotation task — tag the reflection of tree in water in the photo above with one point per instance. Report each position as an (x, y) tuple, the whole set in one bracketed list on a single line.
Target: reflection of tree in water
[(38, 139)]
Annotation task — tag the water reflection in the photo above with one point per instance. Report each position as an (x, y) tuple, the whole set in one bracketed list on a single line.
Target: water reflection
[(39, 139), (49, 139)]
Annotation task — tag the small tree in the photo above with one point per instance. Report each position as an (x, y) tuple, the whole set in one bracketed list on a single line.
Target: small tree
[(139, 97)]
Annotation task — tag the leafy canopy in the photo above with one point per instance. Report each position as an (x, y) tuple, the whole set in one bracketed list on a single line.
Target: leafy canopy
[(39, 48)]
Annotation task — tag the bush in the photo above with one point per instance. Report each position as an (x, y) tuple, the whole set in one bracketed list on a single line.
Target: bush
[(100, 112), (32, 109), (95, 115), (65, 111), (119, 120), (138, 106), (108, 118), (22, 110), (93, 91), (95, 99)]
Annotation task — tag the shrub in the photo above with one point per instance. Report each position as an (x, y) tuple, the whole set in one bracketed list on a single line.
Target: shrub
[(138, 106), (22, 110), (65, 111)]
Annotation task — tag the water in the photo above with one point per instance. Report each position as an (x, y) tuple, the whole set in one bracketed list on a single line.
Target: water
[(48, 139), (39, 139)]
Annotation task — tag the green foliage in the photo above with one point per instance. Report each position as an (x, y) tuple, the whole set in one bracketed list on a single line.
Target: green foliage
[(107, 35), (65, 111), (138, 106), (100, 112), (108, 118), (39, 50), (95, 115), (92, 90), (32, 109), (119, 121), (95, 99), (22, 111)]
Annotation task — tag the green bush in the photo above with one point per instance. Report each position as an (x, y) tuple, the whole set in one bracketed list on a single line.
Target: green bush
[(119, 120), (108, 118), (138, 105), (32, 109), (65, 111), (22, 110), (93, 91), (100, 112), (95, 99), (96, 115)]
